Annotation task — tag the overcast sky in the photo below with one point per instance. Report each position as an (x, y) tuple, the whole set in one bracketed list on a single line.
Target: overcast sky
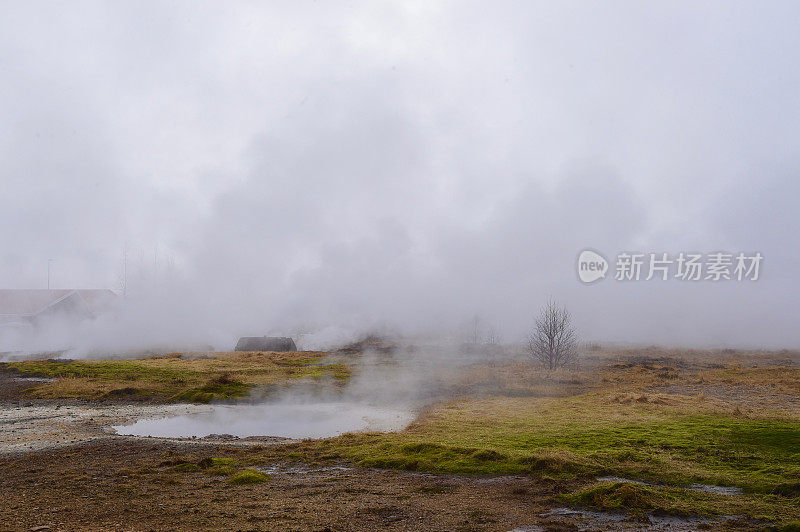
[(272, 165)]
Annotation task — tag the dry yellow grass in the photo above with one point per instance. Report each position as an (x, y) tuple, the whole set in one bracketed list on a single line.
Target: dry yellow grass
[(174, 377), (675, 422), (249, 367)]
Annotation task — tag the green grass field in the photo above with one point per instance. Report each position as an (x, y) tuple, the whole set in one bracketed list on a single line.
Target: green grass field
[(223, 377), (622, 426)]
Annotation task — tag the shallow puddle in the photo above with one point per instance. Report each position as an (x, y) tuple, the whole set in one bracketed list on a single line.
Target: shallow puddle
[(281, 469), (719, 490), (312, 420), (32, 379)]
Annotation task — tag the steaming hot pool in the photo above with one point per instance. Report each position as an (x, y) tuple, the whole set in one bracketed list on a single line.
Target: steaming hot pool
[(287, 420)]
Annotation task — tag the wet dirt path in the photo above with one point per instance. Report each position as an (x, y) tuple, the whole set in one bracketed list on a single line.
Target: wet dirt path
[(45, 426)]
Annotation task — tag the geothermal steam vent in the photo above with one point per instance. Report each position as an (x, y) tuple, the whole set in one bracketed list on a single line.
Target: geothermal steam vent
[(265, 343)]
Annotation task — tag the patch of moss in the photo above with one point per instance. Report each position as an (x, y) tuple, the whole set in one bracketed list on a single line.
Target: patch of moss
[(637, 499), (788, 489), (223, 461), (221, 471), (186, 467), (248, 476), (218, 466), (219, 388)]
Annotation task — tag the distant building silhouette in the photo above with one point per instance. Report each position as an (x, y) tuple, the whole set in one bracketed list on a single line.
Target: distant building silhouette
[(265, 343), (25, 308)]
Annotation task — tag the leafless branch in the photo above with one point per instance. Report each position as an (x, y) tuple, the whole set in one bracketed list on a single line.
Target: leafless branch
[(553, 342)]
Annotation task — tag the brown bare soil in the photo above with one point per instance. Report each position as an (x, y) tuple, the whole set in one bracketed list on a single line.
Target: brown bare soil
[(102, 485)]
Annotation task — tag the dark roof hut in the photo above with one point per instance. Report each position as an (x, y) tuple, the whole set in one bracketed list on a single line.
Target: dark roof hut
[(265, 343)]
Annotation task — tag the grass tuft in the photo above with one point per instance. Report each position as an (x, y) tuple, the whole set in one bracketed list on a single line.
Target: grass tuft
[(248, 476), (637, 499), (218, 388)]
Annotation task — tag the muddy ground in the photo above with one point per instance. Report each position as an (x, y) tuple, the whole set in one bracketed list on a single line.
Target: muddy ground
[(111, 484)]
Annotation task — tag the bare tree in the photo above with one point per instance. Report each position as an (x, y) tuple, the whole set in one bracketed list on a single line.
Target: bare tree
[(476, 332), (553, 343), (492, 336)]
